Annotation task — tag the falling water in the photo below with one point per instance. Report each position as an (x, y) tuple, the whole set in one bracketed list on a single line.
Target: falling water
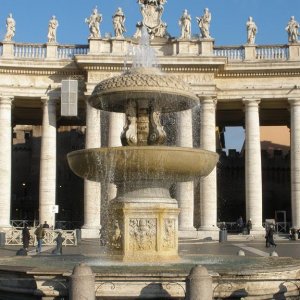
[(142, 55)]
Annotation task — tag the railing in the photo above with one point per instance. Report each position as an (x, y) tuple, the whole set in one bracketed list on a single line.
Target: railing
[(232, 52), (30, 50), (68, 51), (272, 52), (64, 225), (14, 237)]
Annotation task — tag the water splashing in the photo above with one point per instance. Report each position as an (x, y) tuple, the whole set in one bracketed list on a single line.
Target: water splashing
[(143, 55)]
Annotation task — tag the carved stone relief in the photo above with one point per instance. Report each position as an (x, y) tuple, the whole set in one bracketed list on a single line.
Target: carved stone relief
[(142, 234), (169, 234)]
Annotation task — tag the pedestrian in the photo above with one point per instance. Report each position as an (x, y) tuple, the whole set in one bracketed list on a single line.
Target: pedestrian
[(270, 237), (240, 224), (249, 226), (59, 241), (46, 225), (25, 237), (40, 234)]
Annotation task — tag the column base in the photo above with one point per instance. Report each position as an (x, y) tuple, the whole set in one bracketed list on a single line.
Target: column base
[(258, 231), (208, 232), (90, 233), (5, 227), (187, 232)]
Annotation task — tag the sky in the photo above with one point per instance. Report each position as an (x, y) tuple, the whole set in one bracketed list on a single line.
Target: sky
[(227, 25)]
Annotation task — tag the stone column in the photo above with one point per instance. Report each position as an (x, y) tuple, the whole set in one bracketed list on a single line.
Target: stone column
[(253, 175), (5, 161), (92, 190), (295, 161), (47, 192), (116, 124), (185, 190), (208, 184)]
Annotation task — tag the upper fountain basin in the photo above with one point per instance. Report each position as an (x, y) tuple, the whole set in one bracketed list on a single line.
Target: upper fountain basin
[(119, 164), (164, 92)]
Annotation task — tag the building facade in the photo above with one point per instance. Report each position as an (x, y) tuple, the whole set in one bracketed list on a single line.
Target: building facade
[(249, 86)]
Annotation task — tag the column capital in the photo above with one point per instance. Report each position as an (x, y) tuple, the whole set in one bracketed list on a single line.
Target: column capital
[(49, 100), (208, 99), (254, 102), (294, 101), (6, 99)]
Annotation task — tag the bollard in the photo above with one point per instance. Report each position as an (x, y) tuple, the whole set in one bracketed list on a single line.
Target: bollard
[(241, 253), (273, 253), (199, 284), (82, 283)]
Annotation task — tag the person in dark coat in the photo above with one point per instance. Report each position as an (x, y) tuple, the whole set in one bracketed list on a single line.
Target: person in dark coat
[(249, 226), (25, 237), (59, 241), (270, 237)]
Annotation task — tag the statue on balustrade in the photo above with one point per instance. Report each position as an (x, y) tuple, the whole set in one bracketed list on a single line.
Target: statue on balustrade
[(204, 24), (251, 31), (94, 24), (53, 24), (185, 23), (119, 23), (292, 30), (10, 28)]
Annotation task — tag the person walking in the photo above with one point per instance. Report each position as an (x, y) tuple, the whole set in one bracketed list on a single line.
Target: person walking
[(270, 237), (40, 234), (25, 237), (249, 226), (59, 242)]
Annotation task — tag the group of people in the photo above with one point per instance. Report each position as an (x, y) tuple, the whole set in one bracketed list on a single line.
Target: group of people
[(240, 225), (40, 235)]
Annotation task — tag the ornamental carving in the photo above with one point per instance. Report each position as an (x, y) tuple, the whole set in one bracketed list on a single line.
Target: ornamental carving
[(116, 235), (152, 11), (142, 234), (141, 80), (169, 234)]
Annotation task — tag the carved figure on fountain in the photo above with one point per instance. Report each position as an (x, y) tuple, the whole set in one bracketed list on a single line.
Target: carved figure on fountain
[(142, 234)]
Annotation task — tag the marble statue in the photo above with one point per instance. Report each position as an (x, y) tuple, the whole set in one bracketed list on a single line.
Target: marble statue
[(185, 23), (292, 30), (204, 24), (119, 23), (10, 28), (53, 24), (94, 24), (152, 11), (251, 31)]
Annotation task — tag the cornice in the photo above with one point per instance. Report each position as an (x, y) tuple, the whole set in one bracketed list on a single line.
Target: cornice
[(43, 72), (258, 74)]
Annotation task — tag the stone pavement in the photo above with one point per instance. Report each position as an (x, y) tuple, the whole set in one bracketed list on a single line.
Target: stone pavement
[(252, 246)]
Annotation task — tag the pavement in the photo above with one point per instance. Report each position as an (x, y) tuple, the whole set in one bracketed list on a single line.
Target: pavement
[(251, 245)]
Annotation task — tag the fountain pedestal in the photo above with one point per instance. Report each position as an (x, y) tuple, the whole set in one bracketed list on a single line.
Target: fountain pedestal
[(144, 225)]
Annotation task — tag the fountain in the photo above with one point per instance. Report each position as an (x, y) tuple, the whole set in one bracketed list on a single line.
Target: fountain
[(143, 217)]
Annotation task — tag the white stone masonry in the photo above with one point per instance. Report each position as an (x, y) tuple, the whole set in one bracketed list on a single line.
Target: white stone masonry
[(185, 190), (92, 190), (47, 192), (5, 160), (253, 175), (208, 184)]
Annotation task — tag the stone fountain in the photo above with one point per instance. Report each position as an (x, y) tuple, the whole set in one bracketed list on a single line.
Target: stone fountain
[(143, 217)]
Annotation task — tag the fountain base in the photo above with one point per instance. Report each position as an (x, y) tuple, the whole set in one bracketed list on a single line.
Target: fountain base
[(143, 225)]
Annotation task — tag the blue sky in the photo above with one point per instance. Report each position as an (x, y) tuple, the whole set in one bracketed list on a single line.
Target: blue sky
[(227, 25)]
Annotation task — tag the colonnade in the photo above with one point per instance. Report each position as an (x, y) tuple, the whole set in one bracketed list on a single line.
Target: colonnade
[(185, 191)]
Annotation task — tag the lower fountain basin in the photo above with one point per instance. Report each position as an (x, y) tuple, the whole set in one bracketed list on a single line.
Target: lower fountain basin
[(119, 164)]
